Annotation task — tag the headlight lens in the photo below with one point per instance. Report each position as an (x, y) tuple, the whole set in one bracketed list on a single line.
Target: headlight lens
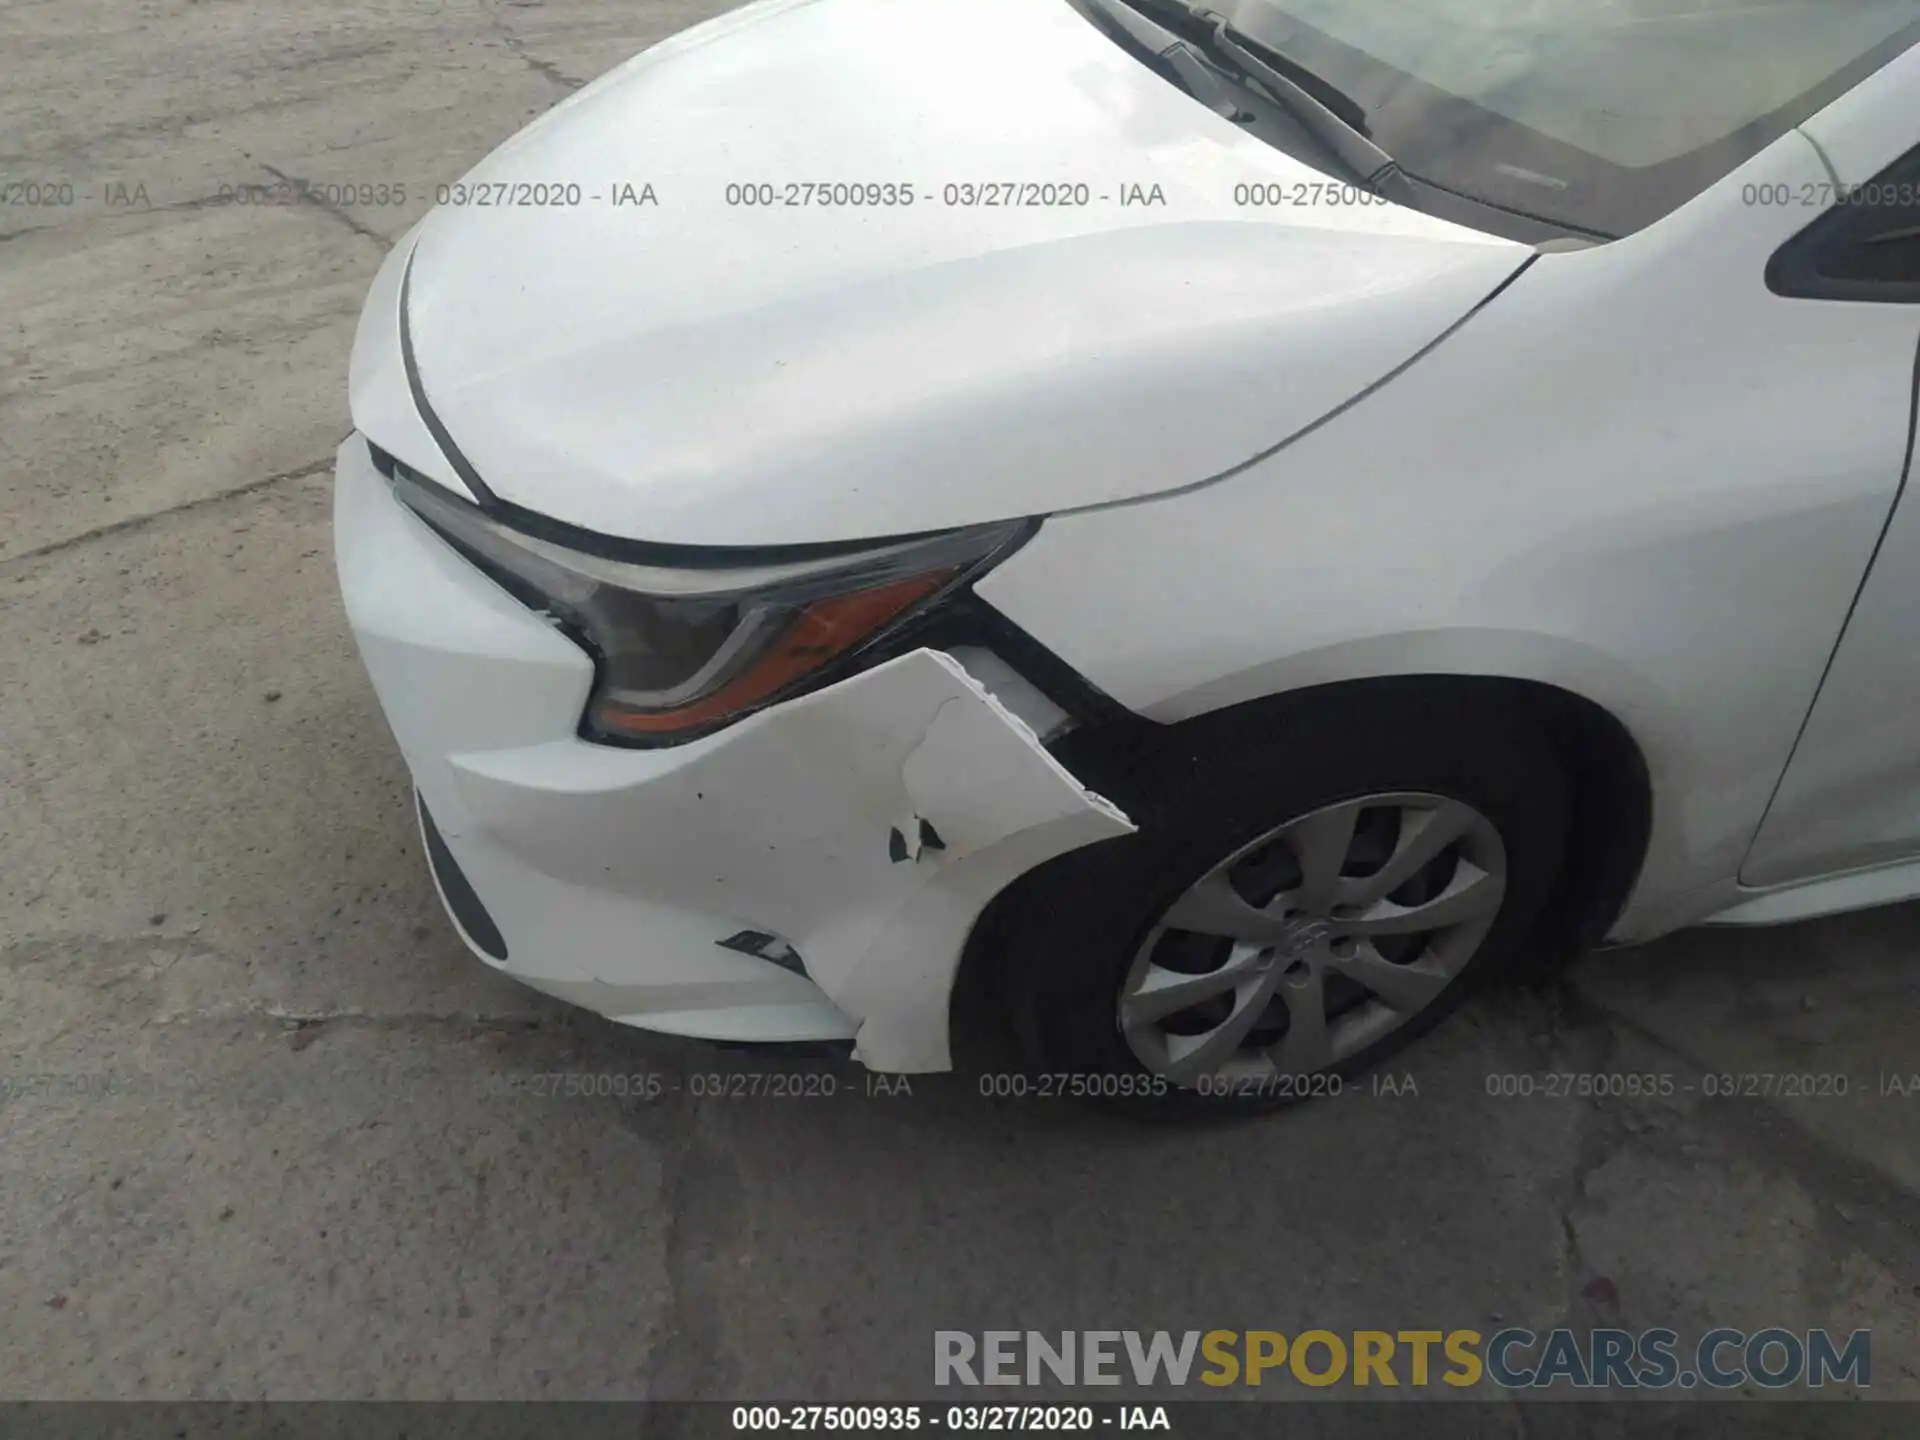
[(682, 650)]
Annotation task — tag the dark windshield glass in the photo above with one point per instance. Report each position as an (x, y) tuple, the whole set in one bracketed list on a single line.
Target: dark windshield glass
[(1598, 114)]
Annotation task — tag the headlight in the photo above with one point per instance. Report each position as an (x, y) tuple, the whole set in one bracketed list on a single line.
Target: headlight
[(684, 649)]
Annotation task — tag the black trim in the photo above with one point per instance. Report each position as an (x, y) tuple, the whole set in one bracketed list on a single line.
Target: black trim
[(636, 552), (764, 945), (393, 467), (965, 619), (1866, 577), (1507, 221), (683, 557), (1834, 259), (458, 891), (958, 618), (465, 471), (782, 1049)]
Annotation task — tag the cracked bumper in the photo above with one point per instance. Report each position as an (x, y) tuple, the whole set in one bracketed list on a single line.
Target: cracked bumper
[(613, 875)]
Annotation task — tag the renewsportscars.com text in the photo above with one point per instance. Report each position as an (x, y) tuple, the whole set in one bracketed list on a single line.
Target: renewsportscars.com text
[(1513, 1358)]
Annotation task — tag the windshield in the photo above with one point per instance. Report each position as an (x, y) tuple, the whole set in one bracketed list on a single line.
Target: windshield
[(1601, 115)]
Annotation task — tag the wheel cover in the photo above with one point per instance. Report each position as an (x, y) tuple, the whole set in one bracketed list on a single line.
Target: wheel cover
[(1315, 940)]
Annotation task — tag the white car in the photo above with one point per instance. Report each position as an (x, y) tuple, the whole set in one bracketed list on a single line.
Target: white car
[(1227, 527)]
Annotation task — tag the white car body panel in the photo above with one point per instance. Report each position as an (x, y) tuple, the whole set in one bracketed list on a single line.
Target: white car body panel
[(616, 873), (1851, 796), (1640, 476), (1873, 124), (702, 374), (1277, 449)]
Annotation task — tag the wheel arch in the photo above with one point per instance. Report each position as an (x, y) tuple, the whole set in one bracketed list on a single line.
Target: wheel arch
[(1611, 785)]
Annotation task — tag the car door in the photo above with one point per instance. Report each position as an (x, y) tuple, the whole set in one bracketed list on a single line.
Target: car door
[(1850, 797)]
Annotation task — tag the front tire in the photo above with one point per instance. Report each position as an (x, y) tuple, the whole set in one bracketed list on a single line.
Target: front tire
[(1315, 883)]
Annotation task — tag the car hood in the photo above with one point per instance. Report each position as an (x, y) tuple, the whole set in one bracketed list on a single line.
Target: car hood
[(649, 357)]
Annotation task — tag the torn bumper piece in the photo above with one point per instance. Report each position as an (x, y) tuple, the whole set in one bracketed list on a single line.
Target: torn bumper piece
[(810, 873)]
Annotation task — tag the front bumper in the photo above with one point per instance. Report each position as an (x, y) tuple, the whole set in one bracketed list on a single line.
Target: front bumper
[(853, 834)]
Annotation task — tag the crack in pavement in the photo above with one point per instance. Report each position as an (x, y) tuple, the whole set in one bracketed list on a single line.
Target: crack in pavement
[(314, 1020), (134, 522), (1860, 1205), (120, 212), (1602, 1135), (518, 48), (129, 960), (1857, 1208), (707, 1226), (305, 187)]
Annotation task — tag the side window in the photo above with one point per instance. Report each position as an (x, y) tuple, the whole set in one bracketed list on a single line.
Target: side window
[(1866, 248)]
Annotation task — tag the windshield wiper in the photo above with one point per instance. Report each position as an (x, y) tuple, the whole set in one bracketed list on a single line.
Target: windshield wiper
[(1156, 42), (1289, 84)]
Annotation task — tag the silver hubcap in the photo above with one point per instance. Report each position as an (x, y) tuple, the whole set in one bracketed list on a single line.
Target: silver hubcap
[(1314, 941)]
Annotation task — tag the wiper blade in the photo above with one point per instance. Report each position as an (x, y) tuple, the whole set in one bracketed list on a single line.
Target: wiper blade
[(1154, 40), (1291, 86)]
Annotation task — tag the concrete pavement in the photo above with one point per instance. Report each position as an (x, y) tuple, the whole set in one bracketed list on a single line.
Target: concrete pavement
[(260, 1140)]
